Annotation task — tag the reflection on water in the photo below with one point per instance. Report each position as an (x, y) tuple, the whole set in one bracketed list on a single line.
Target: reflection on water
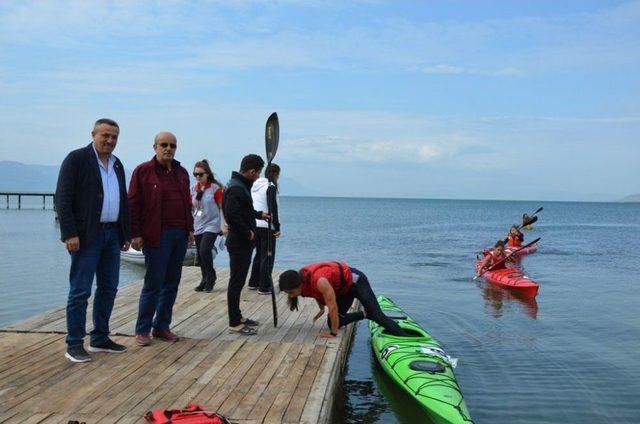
[(496, 297)]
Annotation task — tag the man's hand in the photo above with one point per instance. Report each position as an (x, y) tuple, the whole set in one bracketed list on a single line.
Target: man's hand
[(276, 234), (137, 243), (192, 239), (251, 235), (72, 244), (125, 246), (318, 315), (225, 229), (325, 335), (266, 216)]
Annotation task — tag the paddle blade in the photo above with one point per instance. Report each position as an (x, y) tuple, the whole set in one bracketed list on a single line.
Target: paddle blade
[(272, 136), (539, 210), (531, 221)]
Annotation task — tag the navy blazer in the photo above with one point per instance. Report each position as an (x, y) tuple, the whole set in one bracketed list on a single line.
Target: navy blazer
[(79, 197)]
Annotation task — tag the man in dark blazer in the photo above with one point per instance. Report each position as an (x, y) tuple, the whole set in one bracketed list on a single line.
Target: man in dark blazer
[(93, 211)]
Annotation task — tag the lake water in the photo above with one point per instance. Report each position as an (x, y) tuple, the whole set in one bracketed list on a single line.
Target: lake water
[(569, 357)]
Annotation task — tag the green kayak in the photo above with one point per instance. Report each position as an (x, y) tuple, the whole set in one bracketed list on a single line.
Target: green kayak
[(419, 364)]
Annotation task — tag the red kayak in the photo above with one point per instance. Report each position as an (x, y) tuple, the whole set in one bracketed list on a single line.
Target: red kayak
[(513, 280), (527, 250), (509, 250)]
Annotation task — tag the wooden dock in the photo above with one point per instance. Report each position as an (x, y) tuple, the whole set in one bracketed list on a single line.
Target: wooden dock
[(285, 374), (19, 196)]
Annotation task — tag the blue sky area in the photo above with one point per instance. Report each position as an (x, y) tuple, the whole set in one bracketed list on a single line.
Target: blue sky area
[(443, 99)]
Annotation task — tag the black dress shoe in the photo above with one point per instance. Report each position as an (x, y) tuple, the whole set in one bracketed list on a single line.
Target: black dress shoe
[(200, 287)]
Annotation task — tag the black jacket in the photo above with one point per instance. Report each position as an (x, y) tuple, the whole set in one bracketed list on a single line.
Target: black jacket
[(79, 197), (237, 206)]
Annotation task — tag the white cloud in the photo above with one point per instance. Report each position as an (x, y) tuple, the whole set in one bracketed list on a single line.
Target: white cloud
[(241, 35), (443, 69), (394, 152)]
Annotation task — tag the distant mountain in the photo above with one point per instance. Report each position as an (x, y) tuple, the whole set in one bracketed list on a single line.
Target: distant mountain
[(16, 176), (631, 198)]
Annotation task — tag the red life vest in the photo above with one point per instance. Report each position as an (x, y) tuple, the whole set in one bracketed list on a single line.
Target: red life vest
[(192, 414), (514, 240), (495, 259), (338, 274)]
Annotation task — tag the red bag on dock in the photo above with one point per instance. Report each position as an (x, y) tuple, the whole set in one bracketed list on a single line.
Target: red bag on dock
[(192, 414)]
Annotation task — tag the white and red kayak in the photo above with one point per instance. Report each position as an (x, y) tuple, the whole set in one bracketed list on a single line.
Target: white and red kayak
[(511, 279)]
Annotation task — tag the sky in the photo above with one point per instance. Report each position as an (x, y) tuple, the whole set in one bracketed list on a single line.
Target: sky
[(522, 100)]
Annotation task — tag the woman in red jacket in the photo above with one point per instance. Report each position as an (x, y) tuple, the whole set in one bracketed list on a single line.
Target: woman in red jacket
[(336, 285)]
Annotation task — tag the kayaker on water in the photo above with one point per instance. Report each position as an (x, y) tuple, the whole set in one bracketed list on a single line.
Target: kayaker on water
[(336, 285), (515, 237), (494, 259), (526, 222)]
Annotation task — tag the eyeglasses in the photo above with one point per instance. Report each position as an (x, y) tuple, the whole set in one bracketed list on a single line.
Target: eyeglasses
[(198, 174), (165, 145)]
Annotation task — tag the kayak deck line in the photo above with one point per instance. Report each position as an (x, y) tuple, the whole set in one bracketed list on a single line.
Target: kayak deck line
[(283, 374)]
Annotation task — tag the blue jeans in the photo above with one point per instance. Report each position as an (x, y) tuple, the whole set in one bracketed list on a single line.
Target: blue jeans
[(164, 269), (100, 258)]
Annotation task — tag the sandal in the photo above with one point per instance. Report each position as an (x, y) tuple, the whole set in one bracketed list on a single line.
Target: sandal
[(250, 322), (244, 330)]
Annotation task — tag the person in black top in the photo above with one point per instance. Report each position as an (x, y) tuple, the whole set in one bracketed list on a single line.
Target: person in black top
[(265, 197), (240, 216)]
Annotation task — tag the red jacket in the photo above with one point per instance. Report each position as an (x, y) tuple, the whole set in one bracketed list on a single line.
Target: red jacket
[(145, 200), (338, 274)]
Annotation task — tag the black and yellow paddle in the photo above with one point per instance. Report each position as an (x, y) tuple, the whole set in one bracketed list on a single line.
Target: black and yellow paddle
[(506, 258), (532, 218), (271, 138)]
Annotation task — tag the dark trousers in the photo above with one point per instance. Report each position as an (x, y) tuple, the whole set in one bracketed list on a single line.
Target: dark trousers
[(100, 258), (239, 263), (362, 291), (204, 244), (263, 264), (164, 269)]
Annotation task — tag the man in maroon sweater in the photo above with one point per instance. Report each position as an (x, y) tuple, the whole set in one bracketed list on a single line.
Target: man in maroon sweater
[(162, 226)]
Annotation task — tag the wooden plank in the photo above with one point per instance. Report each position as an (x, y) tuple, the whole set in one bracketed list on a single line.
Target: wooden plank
[(319, 390), (283, 397), (147, 380), (104, 377), (248, 402), (161, 381), (336, 372), (28, 418), (36, 321), (299, 398), (201, 388), (169, 397), (37, 347), (235, 375), (5, 416), (242, 387)]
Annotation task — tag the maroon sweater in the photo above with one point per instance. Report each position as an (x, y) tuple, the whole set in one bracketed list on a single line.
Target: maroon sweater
[(159, 200)]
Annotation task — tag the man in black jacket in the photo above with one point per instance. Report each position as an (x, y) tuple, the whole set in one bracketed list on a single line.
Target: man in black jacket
[(237, 206), (93, 211)]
